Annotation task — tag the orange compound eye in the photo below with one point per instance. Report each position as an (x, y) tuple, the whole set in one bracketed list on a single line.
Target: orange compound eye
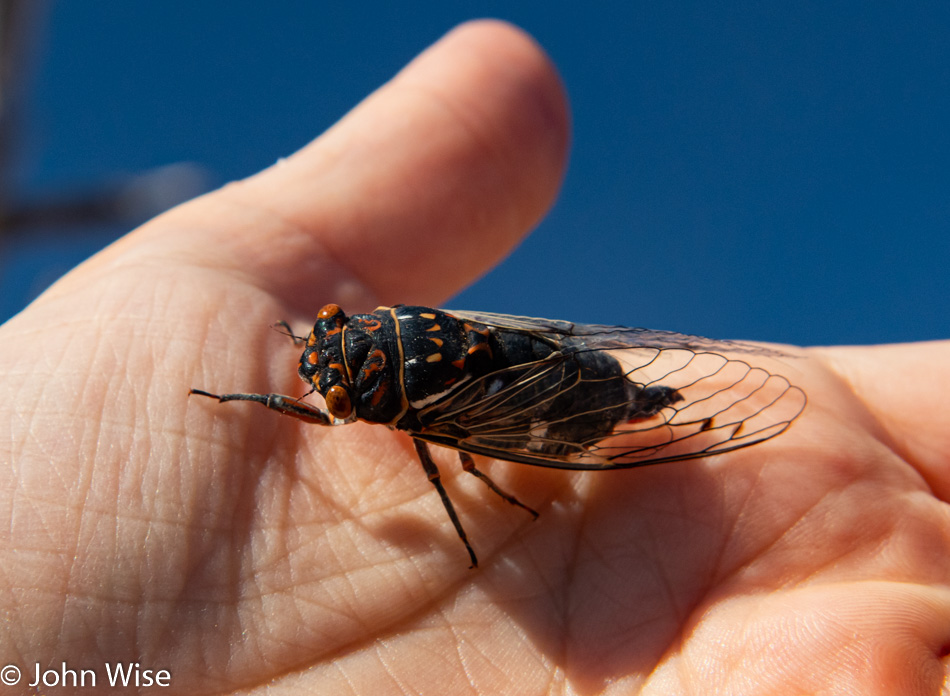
[(338, 402), (329, 311)]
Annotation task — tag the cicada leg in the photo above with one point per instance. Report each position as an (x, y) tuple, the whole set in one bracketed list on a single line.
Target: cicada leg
[(276, 402), (468, 464), (432, 471), (284, 328)]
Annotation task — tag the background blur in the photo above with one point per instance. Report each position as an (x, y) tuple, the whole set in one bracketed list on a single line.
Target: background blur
[(767, 171)]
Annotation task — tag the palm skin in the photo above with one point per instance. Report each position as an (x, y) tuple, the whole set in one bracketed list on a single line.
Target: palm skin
[(243, 551)]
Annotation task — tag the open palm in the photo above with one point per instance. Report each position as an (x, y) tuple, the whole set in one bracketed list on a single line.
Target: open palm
[(242, 551)]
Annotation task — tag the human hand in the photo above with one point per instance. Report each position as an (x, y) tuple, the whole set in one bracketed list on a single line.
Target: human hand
[(242, 551)]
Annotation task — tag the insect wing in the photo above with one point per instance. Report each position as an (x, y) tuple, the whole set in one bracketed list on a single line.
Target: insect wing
[(507, 414), (607, 337), (727, 403), (529, 413)]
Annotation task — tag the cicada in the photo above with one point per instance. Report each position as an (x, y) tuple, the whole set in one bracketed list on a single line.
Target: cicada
[(535, 391)]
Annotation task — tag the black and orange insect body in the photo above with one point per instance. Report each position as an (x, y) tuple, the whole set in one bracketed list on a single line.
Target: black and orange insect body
[(548, 393)]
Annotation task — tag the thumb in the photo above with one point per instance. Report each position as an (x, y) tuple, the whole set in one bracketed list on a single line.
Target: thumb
[(415, 193)]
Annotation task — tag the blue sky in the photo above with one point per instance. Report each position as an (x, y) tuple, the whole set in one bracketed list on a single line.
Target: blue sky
[(768, 171)]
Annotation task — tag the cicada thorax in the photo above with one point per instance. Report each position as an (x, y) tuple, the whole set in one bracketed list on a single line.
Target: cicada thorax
[(438, 352)]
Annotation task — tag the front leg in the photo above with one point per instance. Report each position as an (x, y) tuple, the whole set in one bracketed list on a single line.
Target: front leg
[(276, 402)]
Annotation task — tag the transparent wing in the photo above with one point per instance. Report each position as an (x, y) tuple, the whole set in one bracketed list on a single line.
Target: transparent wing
[(542, 413), (607, 337)]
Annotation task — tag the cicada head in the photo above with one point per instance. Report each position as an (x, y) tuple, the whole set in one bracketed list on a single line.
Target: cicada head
[(346, 360), (322, 365)]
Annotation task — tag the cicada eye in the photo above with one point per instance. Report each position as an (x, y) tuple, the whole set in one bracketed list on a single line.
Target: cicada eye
[(338, 402), (330, 311)]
